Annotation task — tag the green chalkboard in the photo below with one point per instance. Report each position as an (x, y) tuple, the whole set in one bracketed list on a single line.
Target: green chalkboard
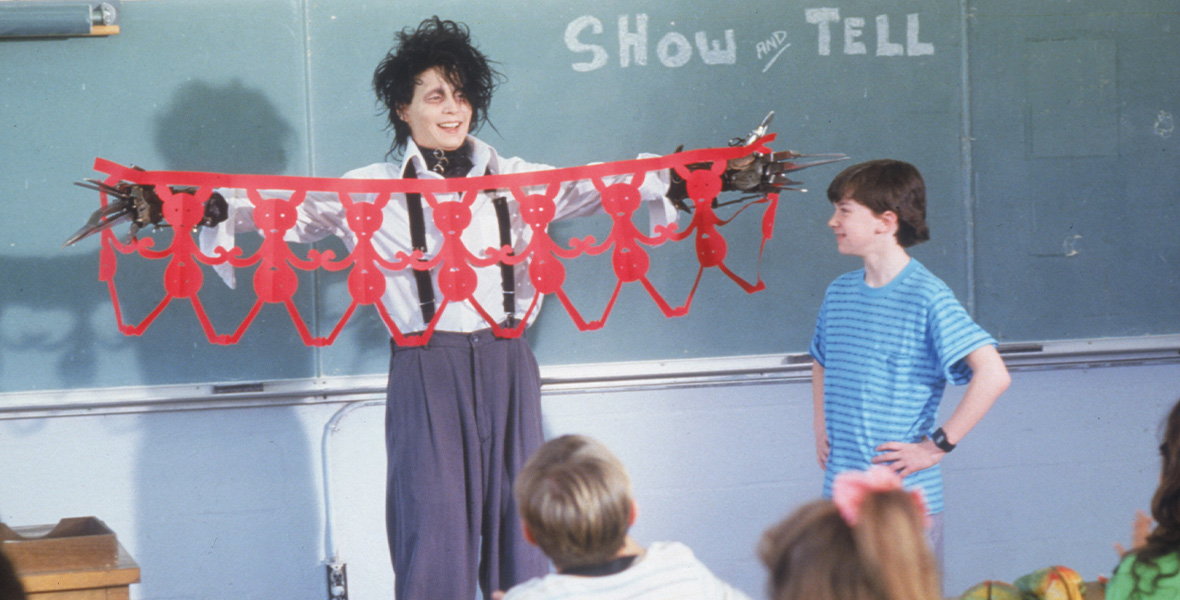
[(1075, 169), (1045, 131)]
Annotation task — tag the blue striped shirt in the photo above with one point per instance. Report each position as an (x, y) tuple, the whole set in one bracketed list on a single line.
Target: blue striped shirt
[(887, 354)]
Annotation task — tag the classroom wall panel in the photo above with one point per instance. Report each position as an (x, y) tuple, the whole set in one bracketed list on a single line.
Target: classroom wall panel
[(256, 500)]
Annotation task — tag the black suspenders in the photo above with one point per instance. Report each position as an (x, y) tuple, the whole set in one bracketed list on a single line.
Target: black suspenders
[(418, 242), (507, 272)]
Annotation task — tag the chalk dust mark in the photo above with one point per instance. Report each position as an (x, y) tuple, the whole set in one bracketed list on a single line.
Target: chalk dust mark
[(1165, 124)]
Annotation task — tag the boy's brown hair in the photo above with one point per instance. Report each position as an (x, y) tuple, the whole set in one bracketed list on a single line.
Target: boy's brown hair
[(575, 499), (887, 185)]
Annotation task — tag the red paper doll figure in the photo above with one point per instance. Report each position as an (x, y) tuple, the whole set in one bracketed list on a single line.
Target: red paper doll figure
[(628, 257), (703, 187)]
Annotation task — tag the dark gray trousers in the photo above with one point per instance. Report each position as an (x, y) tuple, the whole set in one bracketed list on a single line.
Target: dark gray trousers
[(462, 415)]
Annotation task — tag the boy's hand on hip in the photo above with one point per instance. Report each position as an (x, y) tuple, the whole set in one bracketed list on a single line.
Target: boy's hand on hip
[(822, 447), (821, 450), (905, 458)]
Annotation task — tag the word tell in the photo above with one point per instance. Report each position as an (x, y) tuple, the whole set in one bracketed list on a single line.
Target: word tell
[(854, 32)]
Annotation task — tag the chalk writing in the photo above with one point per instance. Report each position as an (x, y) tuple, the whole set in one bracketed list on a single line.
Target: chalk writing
[(1164, 124), (823, 18), (572, 31), (673, 49), (777, 40), (587, 35)]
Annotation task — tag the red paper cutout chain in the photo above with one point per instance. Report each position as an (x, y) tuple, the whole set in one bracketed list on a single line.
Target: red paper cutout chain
[(275, 281)]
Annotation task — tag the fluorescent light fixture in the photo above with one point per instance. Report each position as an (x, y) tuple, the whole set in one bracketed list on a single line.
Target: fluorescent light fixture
[(58, 18)]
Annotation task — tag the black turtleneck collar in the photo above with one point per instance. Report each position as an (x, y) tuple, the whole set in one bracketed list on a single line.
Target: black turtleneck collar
[(617, 565), (452, 163)]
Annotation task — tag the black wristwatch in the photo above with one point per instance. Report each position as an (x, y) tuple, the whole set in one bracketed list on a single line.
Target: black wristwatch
[(939, 438)]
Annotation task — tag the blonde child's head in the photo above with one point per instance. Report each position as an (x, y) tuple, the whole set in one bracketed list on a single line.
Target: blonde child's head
[(575, 500)]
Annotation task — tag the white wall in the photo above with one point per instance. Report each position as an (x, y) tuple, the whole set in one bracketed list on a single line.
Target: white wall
[(230, 502)]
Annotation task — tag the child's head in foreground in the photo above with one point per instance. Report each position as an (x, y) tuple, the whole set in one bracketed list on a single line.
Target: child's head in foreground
[(1164, 538), (887, 185), (575, 500), (1165, 505), (868, 543)]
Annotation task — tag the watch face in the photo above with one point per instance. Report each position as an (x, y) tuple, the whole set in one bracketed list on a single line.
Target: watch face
[(940, 440)]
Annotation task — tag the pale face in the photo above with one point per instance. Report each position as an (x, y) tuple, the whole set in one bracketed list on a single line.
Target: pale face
[(858, 231), (439, 115)]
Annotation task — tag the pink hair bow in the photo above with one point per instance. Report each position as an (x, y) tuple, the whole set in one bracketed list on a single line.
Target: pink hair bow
[(850, 489)]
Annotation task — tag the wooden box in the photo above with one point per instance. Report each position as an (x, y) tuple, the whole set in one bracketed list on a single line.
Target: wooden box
[(74, 543), (76, 559)]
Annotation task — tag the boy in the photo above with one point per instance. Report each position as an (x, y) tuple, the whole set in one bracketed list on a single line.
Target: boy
[(575, 502), (887, 339)]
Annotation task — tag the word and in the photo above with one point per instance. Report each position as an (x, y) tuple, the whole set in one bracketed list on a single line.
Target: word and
[(777, 43)]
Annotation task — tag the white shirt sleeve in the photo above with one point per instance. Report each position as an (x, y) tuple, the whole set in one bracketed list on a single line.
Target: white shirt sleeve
[(320, 215), (581, 198)]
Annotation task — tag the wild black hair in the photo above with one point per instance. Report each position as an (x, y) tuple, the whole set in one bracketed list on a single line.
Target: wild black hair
[(435, 43)]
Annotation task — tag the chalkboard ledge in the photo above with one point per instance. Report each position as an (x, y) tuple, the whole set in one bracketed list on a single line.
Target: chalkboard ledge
[(556, 379)]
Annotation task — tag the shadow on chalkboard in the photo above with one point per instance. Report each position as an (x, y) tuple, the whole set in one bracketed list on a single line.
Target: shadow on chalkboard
[(205, 127), (39, 319), (237, 488), (223, 129)]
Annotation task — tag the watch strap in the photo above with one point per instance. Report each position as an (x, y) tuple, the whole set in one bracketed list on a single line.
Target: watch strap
[(939, 439)]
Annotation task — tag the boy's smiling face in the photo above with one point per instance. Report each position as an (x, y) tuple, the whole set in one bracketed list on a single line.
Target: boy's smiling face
[(860, 232), (439, 114)]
